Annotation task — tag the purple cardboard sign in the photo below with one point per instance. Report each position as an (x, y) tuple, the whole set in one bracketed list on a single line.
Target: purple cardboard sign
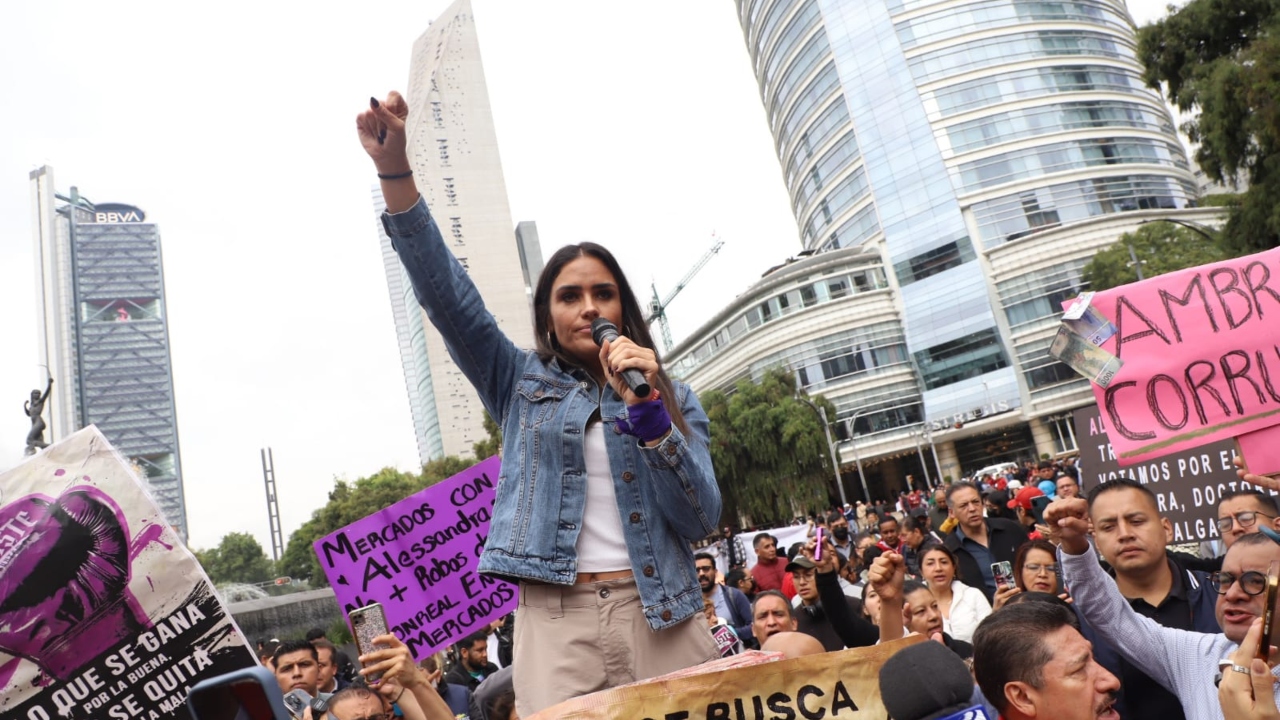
[(418, 559)]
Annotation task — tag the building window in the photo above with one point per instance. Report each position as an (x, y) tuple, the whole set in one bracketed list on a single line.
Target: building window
[(960, 359), (933, 262)]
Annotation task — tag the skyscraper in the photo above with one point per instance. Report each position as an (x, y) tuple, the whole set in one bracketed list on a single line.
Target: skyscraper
[(453, 149), (984, 150), (104, 335)]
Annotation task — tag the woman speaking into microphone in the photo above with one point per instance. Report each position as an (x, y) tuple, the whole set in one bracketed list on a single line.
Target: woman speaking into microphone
[(601, 490)]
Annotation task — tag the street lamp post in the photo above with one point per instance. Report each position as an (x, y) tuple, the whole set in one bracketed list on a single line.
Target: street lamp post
[(853, 440), (831, 446)]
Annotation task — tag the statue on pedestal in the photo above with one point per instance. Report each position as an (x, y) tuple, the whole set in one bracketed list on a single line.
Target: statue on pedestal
[(35, 410)]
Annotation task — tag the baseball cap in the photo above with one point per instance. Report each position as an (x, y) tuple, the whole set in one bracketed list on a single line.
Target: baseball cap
[(800, 562), (1023, 498)]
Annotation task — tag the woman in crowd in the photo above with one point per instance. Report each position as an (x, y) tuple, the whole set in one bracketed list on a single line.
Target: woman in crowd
[(962, 607), (601, 490), (1035, 567)]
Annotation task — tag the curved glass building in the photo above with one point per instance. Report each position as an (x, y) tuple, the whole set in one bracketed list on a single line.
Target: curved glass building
[(985, 149)]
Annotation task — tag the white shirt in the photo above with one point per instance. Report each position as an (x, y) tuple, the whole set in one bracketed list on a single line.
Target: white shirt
[(968, 608), (1183, 662), (601, 545)]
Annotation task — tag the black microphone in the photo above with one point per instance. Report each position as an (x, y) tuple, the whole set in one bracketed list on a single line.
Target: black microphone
[(601, 330), (928, 681)]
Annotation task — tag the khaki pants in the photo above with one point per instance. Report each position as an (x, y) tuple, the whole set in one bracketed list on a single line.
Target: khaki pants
[(574, 640)]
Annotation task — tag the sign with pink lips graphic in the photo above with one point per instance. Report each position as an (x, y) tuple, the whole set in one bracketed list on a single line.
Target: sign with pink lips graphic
[(104, 613)]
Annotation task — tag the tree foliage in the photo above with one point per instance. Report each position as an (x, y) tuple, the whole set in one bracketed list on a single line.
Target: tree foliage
[(491, 445), (769, 449), (351, 501), (1219, 60), (1161, 247), (238, 558)]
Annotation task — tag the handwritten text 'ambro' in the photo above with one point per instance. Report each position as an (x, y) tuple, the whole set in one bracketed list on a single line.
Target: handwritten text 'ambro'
[(1241, 380)]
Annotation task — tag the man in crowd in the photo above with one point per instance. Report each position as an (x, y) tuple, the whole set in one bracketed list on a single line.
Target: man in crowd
[(1032, 662), (741, 581), (769, 570), (977, 542), (839, 526), (1182, 661), (1068, 487), (473, 662), (297, 667), (814, 618), (344, 669), (1241, 512), (1131, 536), (939, 513), (730, 604), (327, 657), (1023, 509), (915, 537), (771, 614), (890, 535)]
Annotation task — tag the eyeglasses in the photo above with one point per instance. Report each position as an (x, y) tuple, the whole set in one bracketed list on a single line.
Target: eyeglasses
[(1246, 519), (1036, 568), (1252, 582), (375, 716), (702, 570)]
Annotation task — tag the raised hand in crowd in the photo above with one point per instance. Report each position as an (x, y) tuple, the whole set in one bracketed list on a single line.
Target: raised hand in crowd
[(828, 562), (1270, 482), (1246, 691), (401, 683), (887, 575), (1071, 518), (1004, 593)]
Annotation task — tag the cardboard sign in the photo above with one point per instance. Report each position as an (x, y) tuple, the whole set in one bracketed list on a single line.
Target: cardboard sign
[(103, 611), (1187, 483), (841, 685), (418, 559), (1201, 357)]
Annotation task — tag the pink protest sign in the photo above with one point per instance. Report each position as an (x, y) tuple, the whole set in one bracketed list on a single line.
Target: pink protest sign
[(418, 559), (1201, 353)]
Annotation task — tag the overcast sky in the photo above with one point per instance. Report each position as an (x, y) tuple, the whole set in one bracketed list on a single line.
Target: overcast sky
[(232, 127)]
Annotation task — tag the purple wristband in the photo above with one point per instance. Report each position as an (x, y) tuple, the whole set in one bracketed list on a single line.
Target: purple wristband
[(647, 420)]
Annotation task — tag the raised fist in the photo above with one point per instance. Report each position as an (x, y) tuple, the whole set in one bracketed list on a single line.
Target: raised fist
[(64, 580)]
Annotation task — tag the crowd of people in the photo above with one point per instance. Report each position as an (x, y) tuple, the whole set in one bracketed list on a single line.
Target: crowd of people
[(607, 484)]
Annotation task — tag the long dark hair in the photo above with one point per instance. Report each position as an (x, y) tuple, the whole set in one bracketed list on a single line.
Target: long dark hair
[(633, 319)]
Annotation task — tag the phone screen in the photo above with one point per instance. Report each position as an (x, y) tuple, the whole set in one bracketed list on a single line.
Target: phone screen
[(1003, 573), (1268, 616)]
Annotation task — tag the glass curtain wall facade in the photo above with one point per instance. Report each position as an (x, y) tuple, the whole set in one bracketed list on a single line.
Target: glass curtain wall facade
[(940, 132), (105, 333)]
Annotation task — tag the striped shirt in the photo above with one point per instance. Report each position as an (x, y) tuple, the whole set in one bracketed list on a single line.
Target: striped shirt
[(1182, 661)]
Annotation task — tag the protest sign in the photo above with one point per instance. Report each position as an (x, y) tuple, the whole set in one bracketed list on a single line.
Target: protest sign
[(103, 611), (1187, 483), (1200, 357), (418, 559), (841, 685)]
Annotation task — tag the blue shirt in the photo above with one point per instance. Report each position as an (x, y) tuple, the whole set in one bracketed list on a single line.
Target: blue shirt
[(981, 555)]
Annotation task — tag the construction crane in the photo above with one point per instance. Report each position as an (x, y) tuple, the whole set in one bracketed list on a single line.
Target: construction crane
[(658, 307)]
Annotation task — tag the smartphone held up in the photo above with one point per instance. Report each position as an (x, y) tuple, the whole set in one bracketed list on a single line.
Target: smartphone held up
[(368, 623)]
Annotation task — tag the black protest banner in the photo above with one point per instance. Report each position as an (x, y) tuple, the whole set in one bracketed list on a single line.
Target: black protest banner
[(103, 611), (1187, 483)]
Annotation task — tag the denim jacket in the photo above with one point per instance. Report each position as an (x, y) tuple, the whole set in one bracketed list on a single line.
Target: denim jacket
[(667, 495)]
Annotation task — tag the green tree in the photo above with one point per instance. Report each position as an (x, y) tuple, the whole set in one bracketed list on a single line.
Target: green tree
[(1161, 247), (351, 501), (769, 448), (492, 445), (1219, 60), (238, 558)]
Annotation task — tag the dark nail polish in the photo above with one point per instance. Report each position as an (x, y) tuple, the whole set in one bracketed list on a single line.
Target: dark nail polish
[(373, 103), (382, 136)]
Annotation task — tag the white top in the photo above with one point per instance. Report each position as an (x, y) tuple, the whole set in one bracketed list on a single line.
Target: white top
[(1183, 662), (601, 545), (968, 607)]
